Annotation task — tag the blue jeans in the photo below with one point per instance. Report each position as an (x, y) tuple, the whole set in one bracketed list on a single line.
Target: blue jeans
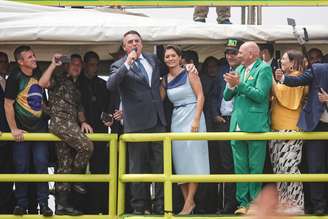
[(22, 152)]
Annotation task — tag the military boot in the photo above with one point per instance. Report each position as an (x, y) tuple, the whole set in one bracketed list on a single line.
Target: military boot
[(63, 207)]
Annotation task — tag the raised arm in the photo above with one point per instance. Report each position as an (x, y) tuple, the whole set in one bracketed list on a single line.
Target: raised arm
[(44, 81), (118, 70), (302, 80)]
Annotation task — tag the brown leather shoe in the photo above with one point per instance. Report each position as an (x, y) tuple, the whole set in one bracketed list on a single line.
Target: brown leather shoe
[(241, 211)]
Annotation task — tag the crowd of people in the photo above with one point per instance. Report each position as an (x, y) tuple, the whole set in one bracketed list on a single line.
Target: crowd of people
[(246, 91), (72, 107)]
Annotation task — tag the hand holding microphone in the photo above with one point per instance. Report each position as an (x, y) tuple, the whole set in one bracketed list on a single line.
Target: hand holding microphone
[(132, 56)]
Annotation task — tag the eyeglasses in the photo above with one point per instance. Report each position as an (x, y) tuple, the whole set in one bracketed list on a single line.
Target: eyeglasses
[(231, 52)]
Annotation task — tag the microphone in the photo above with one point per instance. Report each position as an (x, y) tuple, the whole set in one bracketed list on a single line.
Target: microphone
[(135, 50)]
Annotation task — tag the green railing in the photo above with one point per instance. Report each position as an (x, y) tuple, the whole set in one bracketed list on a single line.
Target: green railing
[(111, 178), (178, 3), (168, 178)]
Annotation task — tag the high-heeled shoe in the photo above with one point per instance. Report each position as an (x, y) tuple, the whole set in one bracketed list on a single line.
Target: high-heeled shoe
[(188, 213)]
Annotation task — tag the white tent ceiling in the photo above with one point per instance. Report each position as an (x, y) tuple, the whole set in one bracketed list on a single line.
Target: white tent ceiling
[(51, 29)]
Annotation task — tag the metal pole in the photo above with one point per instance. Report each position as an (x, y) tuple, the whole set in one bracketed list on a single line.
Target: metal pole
[(249, 14), (121, 184), (243, 15), (168, 193), (259, 15), (253, 15), (113, 180)]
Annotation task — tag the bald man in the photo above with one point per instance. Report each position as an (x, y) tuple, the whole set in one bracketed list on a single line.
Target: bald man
[(250, 87)]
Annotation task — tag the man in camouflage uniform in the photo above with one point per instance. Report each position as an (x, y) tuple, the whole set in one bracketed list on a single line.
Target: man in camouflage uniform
[(68, 123), (223, 12)]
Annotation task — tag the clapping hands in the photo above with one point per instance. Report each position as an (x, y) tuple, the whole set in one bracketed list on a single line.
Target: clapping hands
[(232, 79)]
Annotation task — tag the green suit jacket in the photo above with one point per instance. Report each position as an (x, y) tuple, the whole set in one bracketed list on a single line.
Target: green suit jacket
[(251, 99)]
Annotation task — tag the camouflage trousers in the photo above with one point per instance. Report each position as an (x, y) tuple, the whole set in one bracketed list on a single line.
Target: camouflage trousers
[(223, 13), (73, 152)]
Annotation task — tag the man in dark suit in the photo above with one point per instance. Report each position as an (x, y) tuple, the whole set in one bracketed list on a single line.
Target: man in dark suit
[(137, 77), (96, 101), (267, 52), (314, 117), (315, 56), (224, 112), (6, 162)]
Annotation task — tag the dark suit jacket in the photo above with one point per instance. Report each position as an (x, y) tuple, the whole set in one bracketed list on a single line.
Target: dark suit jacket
[(3, 121), (142, 105), (97, 99), (274, 65), (224, 68), (210, 90), (316, 77)]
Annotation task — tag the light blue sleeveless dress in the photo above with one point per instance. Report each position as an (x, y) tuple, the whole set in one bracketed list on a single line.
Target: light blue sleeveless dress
[(189, 157)]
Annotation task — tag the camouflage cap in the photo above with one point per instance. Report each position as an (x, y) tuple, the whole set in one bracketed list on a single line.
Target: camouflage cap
[(233, 45)]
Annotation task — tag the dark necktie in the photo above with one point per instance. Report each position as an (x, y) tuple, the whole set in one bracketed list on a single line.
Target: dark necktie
[(142, 69)]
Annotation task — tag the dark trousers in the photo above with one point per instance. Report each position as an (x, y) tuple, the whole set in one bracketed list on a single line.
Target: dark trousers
[(146, 157), (6, 188), (209, 198), (228, 191), (207, 193), (317, 158), (21, 155), (97, 197)]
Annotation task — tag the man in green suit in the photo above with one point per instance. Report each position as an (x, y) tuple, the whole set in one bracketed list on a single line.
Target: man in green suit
[(250, 87)]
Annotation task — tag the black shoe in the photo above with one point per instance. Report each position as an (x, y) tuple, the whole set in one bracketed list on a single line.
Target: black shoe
[(138, 212), (45, 210), (67, 210), (226, 211), (158, 210), (79, 188), (18, 210), (200, 211), (319, 212)]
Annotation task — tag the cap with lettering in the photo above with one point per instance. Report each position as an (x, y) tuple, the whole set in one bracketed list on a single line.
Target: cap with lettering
[(233, 45)]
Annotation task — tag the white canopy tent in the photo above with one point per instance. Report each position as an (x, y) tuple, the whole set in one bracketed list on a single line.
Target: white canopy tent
[(66, 30)]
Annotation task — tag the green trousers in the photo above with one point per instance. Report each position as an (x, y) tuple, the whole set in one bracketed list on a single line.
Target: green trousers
[(248, 157)]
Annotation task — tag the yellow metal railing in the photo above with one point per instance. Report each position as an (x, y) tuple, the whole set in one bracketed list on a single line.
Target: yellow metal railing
[(167, 178), (111, 178)]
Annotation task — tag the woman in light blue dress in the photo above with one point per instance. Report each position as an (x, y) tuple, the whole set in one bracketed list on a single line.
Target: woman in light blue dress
[(184, 90)]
